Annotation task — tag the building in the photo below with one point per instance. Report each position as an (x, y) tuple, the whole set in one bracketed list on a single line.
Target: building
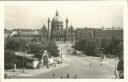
[(84, 33), (24, 59), (71, 34), (56, 31), (108, 33), (7, 33), (99, 33)]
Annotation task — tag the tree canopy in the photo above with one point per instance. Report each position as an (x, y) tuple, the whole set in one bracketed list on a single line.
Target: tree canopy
[(92, 46), (16, 45), (9, 58), (50, 46)]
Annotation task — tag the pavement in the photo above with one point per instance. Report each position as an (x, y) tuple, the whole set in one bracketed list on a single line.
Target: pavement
[(79, 68), (74, 66)]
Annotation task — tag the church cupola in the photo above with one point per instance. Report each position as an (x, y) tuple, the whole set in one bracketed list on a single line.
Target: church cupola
[(57, 23)]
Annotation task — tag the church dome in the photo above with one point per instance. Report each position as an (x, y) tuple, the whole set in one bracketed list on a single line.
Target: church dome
[(57, 23), (71, 28), (44, 27), (57, 18)]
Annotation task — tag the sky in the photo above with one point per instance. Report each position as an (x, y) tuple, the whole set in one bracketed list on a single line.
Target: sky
[(80, 14)]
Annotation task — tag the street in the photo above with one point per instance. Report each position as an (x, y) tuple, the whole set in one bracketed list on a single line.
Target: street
[(80, 66)]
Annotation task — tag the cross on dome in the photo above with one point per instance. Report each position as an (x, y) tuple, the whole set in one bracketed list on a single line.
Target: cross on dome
[(57, 14)]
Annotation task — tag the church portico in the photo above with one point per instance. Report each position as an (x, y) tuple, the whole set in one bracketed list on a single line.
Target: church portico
[(57, 32), (58, 38)]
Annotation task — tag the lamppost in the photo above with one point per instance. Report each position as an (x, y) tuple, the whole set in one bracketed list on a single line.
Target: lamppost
[(21, 52), (61, 55), (23, 63), (115, 72), (101, 59), (101, 55), (27, 51)]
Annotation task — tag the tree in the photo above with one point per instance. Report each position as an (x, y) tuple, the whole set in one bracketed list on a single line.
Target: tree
[(80, 45), (12, 45), (33, 39), (91, 47), (36, 49), (88, 46), (53, 48), (114, 48), (9, 58), (104, 45), (50, 46), (16, 45), (120, 48)]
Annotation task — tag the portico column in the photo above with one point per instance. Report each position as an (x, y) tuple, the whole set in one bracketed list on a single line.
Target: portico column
[(61, 38)]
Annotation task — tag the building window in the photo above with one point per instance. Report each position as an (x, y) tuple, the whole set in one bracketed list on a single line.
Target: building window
[(57, 27)]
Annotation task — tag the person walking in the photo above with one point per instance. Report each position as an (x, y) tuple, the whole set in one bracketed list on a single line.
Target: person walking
[(75, 76), (61, 77), (67, 75)]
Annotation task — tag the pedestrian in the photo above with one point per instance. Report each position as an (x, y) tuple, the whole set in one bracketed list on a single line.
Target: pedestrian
[(101, 64), (47, 65), (14, 70), (90, 64), (53, 75), (75, 76), (61, 77), (67, 75), (5, 76), (55, 65)]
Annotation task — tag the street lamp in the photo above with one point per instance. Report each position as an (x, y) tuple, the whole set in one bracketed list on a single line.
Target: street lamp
[(101, 54), (61, 55), (21, 52), (23, 63), (115, 68)]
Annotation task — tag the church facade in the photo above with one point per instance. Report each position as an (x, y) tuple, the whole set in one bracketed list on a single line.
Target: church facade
[(55, 30)]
